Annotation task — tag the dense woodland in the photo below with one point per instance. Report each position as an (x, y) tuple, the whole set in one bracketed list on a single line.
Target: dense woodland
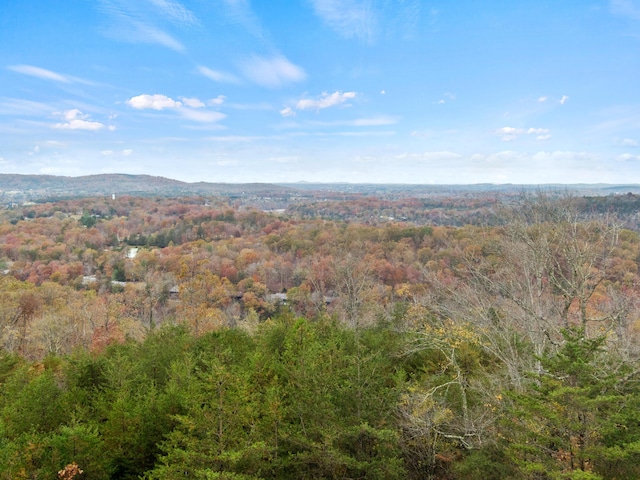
[(471, 338)]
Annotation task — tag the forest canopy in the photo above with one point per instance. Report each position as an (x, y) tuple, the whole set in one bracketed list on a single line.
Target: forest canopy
[(166, 338)]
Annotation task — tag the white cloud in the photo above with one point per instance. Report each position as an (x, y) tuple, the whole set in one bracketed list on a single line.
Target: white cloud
[(126, 152), (79, 125), (287, 112), (563, 100), (542, 99), (76, 120), (447, 96), (39, 73), (326, 100), (540, 133), (272, 72), (192, 102), (155, 102), (217, 76), (189, 108), (219, 100), (382, 92), (106, 153), (509, 134), (72, 114)]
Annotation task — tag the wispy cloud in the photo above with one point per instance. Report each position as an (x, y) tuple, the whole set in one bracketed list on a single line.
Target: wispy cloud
[(175, 11), (349, 18), (377, 121), (45, 74), (325, 100), (74, 119), (359, 133), (272, 72), (626, 8), (565, 157), (39, 73), (285, 159), (146, 33), (192, 102), (125, 153), (429, 156), (217, 76), (219, 100), (20, 107), (138, 22), (432, 133), (367, 20), (563, 100), (240, 13), (287, 112), (239, 138), (203, 116), (626, 142)]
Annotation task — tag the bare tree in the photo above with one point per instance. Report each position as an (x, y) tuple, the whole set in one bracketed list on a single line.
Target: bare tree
[(538, 276)]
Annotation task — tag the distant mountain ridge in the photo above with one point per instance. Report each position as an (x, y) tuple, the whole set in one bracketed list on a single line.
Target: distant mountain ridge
[(39, 186)]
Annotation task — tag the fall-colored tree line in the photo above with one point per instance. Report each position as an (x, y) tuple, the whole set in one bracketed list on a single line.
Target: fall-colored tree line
[(172, 338)]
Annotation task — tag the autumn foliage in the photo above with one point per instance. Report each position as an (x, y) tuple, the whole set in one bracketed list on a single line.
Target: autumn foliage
[(368, 338)]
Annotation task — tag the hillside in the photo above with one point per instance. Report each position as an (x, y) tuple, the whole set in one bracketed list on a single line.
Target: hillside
[(36, 187)]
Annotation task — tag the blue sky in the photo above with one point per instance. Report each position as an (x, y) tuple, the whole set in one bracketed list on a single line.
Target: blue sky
[(383, 91)]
